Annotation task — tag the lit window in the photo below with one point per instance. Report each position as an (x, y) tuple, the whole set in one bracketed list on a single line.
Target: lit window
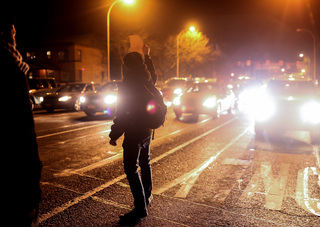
[(31, 55), (48, 54)]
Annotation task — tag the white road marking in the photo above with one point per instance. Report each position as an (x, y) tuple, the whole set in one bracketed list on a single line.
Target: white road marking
[(68, 172), (72, 130), (316, 154), (123, 206), (302, 192), (235, 178), (192, 140), (273, 188), (76, 200), (275, 193), (190, 178)]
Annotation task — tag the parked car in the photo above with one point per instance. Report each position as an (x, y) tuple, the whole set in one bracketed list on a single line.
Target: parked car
[(104, 100), (40, 88), (206, 97), (288, 104), (68, 96)]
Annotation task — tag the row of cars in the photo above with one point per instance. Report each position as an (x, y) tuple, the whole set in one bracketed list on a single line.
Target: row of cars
[(88, 97), (284, 103), (187, 97)]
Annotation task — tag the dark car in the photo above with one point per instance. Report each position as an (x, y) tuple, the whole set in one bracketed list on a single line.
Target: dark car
[(207, 97), (174, 87), (104, 100), (68, 96), (39, 88), (288, 104)]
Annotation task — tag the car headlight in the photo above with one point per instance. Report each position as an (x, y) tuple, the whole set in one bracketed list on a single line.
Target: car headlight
[(177, 91), (64, 98), (265, 109), (176, 101), (210, 102), (82, 99), (110, 99), (310, 112), (41, 99)]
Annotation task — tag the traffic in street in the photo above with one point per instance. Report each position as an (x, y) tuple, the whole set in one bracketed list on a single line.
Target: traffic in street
[(206, 172), (160, 113)]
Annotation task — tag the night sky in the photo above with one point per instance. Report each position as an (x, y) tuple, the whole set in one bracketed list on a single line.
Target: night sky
[(243, 29)]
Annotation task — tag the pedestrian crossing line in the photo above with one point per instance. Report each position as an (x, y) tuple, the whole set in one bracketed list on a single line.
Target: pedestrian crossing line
[(190, 178), (231, 213), (191, 141), (275, 193), (223, 193), (68, 172), (273, 188), (72, 130), (127, 207), (86, 195), (316, 154)]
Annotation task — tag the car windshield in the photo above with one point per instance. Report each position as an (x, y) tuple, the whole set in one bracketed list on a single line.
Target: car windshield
[(71, 88), (108, 87), (303, 88), (43, 83), (202, 87)]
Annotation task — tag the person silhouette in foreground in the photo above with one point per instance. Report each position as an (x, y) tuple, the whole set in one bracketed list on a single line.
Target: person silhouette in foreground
[(21, 166), (137, 70)]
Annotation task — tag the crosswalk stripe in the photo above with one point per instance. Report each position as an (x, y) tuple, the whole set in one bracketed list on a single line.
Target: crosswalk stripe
[(263, 182), (275, 194)]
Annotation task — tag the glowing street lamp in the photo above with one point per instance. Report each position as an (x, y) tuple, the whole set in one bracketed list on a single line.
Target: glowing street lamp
[(127, 2), (191, 29)]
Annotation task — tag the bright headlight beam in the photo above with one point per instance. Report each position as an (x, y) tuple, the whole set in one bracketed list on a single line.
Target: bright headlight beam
[(110, 99), (310, 112), (82, 99), (64, 98), (176, 101), (177, 91), (210, 102), (264, 109)]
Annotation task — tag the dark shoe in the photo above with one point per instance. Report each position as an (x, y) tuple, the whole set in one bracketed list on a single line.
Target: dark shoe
[(133, 217)]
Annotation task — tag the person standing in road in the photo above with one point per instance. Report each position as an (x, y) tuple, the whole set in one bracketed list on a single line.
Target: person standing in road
[(21, 166), (137, 70)]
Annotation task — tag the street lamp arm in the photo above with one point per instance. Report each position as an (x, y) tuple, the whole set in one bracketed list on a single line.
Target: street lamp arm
[(108, 39)]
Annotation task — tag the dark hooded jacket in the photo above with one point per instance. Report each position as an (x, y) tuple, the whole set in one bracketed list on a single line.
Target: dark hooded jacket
[(132, 97), (20, 160)]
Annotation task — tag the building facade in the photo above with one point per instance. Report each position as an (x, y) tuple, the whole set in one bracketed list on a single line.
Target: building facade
[(77, 61)]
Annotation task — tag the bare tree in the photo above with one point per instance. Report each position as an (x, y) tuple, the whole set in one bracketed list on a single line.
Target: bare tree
[(195, 53)]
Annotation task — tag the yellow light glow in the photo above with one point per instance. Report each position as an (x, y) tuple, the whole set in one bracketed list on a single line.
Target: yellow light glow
[(192, 29), (128, 2)]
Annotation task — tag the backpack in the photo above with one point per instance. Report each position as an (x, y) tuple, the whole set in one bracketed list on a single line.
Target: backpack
[(155, 112)]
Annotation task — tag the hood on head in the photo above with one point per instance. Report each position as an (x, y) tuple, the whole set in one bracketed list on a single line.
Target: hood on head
[(134, 60)]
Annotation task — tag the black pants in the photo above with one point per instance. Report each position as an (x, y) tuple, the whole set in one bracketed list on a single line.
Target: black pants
[(137, 154)]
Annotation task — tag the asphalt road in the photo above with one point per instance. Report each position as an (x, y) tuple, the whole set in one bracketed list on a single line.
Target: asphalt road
[(206, 173)]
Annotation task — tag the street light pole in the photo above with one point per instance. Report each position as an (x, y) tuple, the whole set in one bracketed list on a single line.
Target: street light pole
[(108, 33), (191, 29), (314, 49)]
